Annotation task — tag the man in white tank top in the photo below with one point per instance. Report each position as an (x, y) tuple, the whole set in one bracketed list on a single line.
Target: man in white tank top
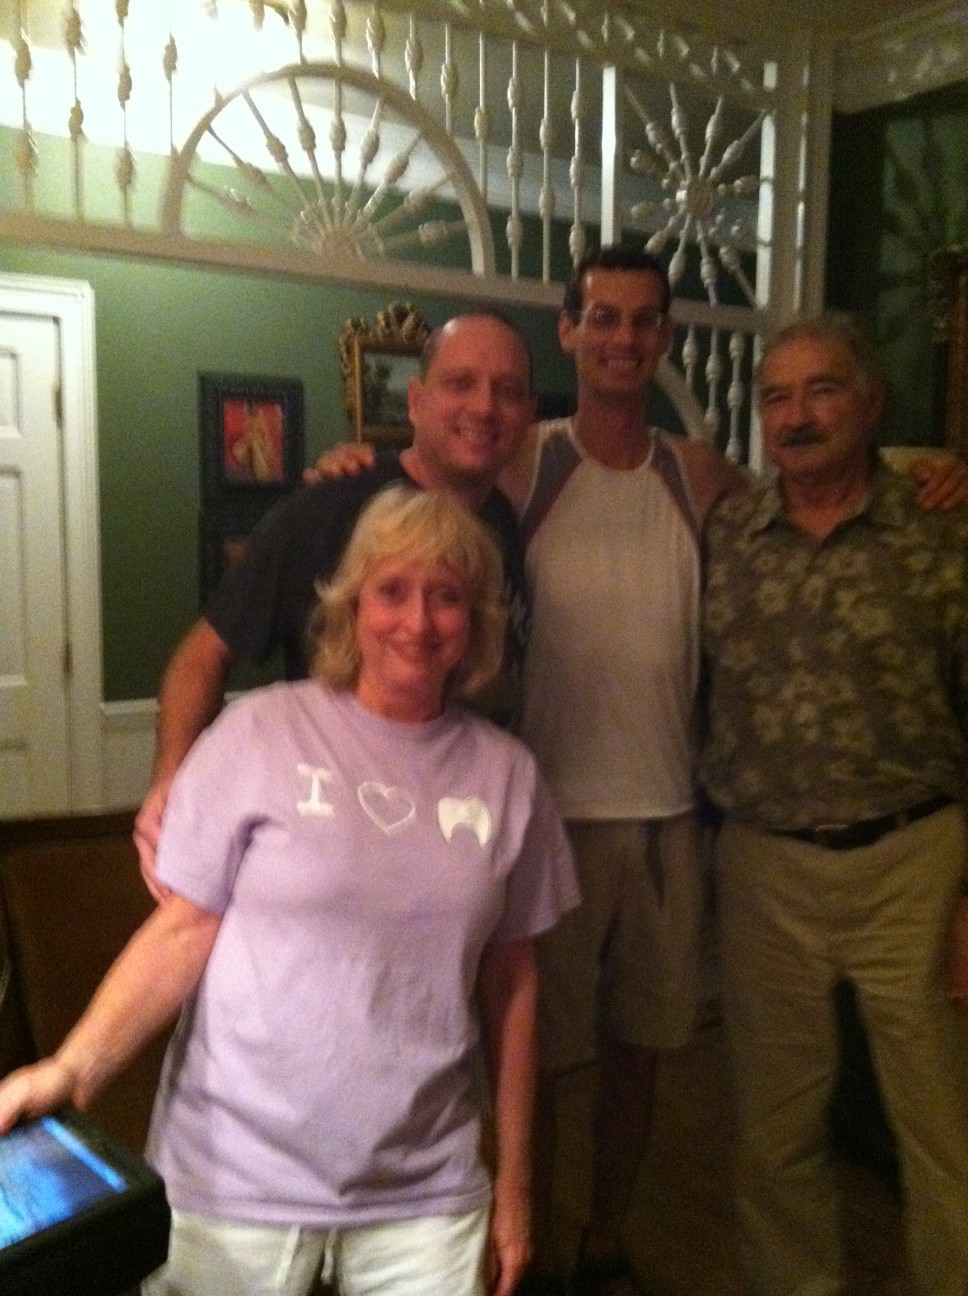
[(612, 511)]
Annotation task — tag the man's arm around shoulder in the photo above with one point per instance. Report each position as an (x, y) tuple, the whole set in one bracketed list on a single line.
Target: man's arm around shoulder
[(191, 696), (711, 476), (516, 479)]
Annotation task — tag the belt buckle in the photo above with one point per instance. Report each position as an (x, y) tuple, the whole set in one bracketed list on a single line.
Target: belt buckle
[(827, 834)]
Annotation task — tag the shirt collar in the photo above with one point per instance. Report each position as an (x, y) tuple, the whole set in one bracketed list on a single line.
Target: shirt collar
[(883, 505)]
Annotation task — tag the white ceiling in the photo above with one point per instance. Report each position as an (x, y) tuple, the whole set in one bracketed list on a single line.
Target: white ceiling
[(747, 18), (725, 18)]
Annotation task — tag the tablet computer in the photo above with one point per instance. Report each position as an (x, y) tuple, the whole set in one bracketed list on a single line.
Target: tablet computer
[(80, 1215)]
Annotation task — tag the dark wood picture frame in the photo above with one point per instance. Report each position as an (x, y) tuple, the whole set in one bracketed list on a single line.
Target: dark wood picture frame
[(252, 448), (251, 431)]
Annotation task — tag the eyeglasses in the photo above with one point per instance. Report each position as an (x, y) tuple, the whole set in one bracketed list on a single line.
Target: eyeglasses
[(607, 319)]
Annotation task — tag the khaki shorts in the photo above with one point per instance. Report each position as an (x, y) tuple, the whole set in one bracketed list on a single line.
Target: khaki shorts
[(626, 961)]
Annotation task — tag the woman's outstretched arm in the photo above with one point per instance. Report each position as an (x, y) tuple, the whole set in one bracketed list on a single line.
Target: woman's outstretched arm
[(144, 988)]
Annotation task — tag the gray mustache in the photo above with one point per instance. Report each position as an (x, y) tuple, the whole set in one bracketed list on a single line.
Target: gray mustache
[(801, 436)]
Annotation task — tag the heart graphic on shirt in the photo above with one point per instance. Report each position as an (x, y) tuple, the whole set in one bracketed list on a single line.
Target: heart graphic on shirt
[(390, 808)]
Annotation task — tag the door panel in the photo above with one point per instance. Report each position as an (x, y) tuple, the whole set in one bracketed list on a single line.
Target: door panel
[(34, 717)]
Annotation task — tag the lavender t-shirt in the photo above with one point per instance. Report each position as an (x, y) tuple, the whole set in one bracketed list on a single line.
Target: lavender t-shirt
[(323, 1073)]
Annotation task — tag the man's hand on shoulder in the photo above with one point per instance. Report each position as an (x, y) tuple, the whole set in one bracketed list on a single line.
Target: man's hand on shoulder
[(189, 699), (147, 830), (343, 460), (516, 478), (941, 475)]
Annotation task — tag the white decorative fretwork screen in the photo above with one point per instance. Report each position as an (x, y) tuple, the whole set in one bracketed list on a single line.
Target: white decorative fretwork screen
[(469, 148)]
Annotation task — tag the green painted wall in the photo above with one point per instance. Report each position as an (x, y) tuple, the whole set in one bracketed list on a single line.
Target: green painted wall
[(157, 327)]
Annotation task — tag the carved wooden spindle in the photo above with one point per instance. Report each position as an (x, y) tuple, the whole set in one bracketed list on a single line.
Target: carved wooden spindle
[(337, 28), (684, 165), (25, 152), (337, 126), (74, 40), (169, 63), (736, 395), (576, 174), (515, 226), (730, 258), (714, 133), (482, 118), (449, 81), (708, 269), (298, 17), (376, 38), (546, 197), (690, 359), (369, 148), (124, 168), (413, 57), (318, 214), (714, 376)]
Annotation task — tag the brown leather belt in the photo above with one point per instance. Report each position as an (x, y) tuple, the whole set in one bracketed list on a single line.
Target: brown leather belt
[(866, 831)]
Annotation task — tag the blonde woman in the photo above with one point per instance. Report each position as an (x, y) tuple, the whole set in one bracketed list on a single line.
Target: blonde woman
[(358, 866)]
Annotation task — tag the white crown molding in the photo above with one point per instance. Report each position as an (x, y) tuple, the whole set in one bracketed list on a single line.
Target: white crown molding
[(904, 57)]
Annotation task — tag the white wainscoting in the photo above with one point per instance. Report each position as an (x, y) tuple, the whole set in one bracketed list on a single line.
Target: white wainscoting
[(127, 745), (127, 750)]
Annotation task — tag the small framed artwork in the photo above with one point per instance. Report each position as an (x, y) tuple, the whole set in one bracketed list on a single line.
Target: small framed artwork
[(251, 431), (251, 442), (379, 360), (383, 375)]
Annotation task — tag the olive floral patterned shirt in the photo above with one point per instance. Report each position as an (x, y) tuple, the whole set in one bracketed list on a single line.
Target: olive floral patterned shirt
[(837, 671)]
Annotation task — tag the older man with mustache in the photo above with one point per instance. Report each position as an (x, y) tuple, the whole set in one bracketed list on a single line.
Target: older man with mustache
[(836, 636)]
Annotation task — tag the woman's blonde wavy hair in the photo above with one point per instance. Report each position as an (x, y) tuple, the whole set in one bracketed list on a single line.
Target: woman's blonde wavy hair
[(409, 525)]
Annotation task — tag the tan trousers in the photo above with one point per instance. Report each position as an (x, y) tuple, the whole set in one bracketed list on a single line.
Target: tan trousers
[(795, 917)]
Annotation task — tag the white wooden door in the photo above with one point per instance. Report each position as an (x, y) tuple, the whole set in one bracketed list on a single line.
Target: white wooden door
[(50, 649), (34, 670)]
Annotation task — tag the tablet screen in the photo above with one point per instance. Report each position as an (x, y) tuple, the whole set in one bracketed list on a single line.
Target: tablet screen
[(80, 1215), (47, 1175)]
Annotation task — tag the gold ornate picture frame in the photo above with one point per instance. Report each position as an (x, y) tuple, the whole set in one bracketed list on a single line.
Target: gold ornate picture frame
[(378, 361)]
